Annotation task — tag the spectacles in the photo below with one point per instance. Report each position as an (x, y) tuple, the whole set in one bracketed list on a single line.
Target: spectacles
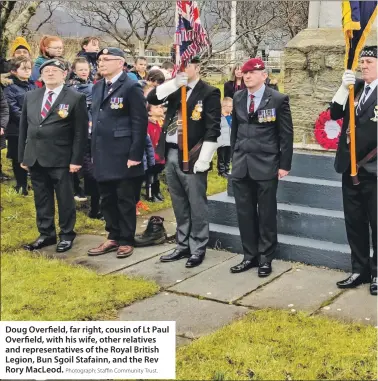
[(46, 71), (107, 59)]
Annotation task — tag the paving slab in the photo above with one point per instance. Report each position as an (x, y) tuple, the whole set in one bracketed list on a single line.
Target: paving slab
[(219, 284), (355, 305), (304, 288), (169, 274), (194, 317)]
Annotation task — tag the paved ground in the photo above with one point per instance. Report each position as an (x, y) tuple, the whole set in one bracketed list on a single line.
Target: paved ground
[(189, 295)]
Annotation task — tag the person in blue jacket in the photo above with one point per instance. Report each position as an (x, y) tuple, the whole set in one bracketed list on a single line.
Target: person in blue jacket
[(20, 69)]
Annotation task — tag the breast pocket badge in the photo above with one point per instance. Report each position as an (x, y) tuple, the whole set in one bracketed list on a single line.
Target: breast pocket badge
[(375, 117), (116, 103), (268, 115), (63, 110), (196, 114)]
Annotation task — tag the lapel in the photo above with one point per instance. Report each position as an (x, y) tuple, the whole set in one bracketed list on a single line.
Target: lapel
[(194, 94), (243, 104), (368, 103), (265, 99), (118, 83), (57, 100)]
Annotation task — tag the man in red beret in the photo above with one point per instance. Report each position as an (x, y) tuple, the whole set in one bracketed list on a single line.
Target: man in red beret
[(262, 146)]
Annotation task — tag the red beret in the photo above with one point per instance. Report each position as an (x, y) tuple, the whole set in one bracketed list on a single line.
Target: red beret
[(253, 64)]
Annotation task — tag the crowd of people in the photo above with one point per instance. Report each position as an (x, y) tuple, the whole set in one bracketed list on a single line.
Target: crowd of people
[(117, 128)]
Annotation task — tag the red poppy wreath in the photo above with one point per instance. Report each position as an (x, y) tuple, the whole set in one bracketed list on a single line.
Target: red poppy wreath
[(327, 131)]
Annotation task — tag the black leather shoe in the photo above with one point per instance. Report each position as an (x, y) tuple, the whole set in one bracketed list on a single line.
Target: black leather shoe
[(63, 246), (352, 281), (195, 260), (39, 243), (174, 256), (244, 265), (373, 286), (265, 269)]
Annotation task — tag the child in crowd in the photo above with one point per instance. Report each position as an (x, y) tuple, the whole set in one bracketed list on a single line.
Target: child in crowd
[(224, 145), (21, 69), (90, 46), (154, 78), (49, 47), (140, 68), (155, 123)]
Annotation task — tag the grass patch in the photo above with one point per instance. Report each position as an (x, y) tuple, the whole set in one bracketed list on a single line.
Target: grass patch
[(36, 288), (277, 345)]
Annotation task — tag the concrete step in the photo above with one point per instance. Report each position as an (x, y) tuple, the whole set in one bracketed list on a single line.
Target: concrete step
[(305, 250), (295, 220), (315, 193)]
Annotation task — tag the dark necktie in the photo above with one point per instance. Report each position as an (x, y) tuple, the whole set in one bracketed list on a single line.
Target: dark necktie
[(252, 104), (47, 105), (363, 100)]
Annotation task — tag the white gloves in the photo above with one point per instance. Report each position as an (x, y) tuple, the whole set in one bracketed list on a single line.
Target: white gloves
[(206, 155), (342, 93), (349, 78), (169, 87)]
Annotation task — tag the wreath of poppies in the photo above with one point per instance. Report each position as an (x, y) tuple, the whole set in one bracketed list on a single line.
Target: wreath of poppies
[(327, 131)]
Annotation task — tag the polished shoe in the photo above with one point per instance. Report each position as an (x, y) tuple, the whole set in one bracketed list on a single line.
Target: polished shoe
[(244, 265), (194, 260), (104, 248), (352, 281), (373, 286), (63, 246), (95, 215), (124, 251), (40, 243), (265, 269), (174, 256)]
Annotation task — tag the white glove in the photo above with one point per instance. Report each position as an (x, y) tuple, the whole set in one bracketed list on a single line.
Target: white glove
[(342, 93), (169, 87), (206, 155), (349, 78)]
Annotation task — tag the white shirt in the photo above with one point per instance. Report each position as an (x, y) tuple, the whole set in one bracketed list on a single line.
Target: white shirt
[(257, 99), (173, 138), (54, 96), (372, 86)]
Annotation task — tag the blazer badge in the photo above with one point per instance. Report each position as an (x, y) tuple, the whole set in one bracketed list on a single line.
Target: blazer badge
[(268, 115), (116, 103), (375, 117), (63, 110), (196, 114)]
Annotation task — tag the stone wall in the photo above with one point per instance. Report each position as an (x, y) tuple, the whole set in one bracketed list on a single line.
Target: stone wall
[(313, 67)]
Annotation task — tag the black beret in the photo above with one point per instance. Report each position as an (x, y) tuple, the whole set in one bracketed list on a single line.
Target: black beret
[(55, 62), (111, 52), (369, 51)]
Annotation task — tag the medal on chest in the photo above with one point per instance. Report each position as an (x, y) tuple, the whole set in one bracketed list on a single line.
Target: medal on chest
[(63, 110), (116, 103), (375, 117), (197, 112)]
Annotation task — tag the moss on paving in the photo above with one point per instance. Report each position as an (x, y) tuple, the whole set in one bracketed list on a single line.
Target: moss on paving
[(278, 345)]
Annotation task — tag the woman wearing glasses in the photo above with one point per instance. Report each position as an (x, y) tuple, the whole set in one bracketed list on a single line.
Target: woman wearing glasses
[(49, 47)]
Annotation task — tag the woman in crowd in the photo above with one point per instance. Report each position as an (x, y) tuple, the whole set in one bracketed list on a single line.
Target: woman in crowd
[(236, 82), (21, 69), (49, 47)]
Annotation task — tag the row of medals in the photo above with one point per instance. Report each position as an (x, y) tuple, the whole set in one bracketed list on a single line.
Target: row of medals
[(116, 106)]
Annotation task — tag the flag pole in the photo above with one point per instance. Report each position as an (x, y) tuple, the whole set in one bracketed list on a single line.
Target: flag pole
[(352, 135), (184, 113)]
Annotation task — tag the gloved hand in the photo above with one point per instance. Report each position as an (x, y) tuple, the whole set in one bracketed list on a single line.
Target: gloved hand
[(206, 155), (342, 93), (349, 78), (169, 87)]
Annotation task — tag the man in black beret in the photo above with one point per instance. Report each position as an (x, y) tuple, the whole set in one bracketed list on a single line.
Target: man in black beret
[(360, 201), (119, 133), (53, 134)]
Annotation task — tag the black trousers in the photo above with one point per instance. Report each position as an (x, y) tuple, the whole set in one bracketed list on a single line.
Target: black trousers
[(20, 174), (118, 206), (224, 159), (256, 206), (45, 182), (360, 212)]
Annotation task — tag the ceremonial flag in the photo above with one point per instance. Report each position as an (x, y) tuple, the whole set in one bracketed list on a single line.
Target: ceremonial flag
[(190, 36), (358, 17)]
